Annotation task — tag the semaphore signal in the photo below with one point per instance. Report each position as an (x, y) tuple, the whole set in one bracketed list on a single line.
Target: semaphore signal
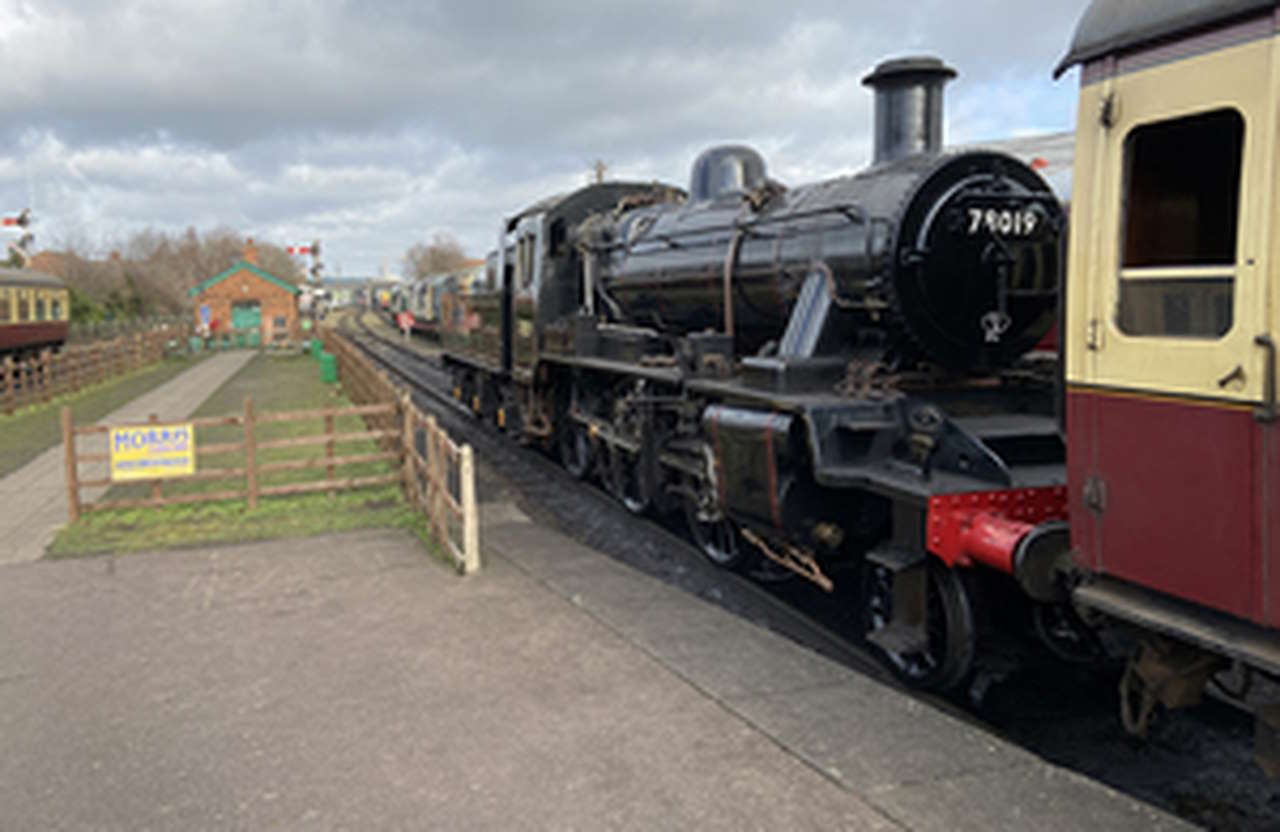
[(314, 251)]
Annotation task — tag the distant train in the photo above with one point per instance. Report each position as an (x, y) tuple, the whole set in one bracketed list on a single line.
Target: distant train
[(35, 309), (428, 299)]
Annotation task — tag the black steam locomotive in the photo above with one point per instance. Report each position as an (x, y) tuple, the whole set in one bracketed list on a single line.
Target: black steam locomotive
[(833, 379)]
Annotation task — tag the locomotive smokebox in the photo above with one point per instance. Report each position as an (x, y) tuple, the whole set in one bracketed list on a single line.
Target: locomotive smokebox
[(908, 106)]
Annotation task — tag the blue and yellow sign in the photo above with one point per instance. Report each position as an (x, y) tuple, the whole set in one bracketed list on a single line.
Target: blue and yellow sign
[(148, 452)]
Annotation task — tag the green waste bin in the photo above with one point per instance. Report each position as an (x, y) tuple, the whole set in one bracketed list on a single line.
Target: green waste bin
[(255, 339), (317, 348), (328, 368), (195, 343)]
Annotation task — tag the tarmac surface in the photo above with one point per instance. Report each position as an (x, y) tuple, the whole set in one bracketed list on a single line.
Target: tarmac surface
[(35, 496), (352, 681)]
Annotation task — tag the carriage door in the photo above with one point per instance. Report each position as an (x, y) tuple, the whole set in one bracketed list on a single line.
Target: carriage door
[(1177, 296)]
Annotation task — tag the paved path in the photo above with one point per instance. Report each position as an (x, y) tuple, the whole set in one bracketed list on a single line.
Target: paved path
[(35, 496), (351, 682)]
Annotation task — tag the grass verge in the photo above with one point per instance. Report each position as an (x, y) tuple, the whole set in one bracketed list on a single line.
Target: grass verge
[(276, 383), (30, 431)]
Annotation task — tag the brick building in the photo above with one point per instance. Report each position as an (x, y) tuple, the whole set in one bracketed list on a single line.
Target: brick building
[(247, 298)]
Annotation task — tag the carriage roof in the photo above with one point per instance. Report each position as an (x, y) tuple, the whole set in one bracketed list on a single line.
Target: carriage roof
[(1110, 26)]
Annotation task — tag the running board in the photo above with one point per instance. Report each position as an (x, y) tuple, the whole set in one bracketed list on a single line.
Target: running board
[(1208, 629)]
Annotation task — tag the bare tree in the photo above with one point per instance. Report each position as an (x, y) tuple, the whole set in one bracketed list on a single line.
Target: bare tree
[(444, 253), (152, 271)]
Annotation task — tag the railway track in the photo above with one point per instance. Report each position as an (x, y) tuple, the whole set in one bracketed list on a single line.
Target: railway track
[(1198, 765)]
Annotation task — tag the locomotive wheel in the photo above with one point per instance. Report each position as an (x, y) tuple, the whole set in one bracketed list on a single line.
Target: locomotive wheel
[(574, 448), (624, 480), (1067, 637), (952, 639), (712, 531), (717, 539)]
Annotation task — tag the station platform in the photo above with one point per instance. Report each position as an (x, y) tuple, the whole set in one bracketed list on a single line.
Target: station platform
[(352, 681), (35, 496)]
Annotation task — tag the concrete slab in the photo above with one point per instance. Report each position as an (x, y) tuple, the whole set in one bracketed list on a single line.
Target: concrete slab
[(35, 496), (351, 682), (1038, 797), (923, 767)]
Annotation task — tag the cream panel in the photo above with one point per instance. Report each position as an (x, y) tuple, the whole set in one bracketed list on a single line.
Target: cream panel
[(1087, 229), (1239, 78)]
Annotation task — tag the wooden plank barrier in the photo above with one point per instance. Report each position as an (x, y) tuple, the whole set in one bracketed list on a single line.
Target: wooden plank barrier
[(441, 482)]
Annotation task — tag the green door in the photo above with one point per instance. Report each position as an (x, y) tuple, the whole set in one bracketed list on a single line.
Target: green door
[(246, 316)]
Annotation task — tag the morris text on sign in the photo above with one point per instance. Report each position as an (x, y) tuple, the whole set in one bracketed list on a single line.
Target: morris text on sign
[(147, 452)]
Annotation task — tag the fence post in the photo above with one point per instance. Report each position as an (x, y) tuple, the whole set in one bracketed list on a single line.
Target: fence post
[(250, 454), (69, 449), (470, 522), (407, 448), (433, 482), (328, 450), (10, 387), (45, 356)]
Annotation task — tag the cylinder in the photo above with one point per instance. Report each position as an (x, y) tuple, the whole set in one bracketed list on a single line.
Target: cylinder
[(908, 116)]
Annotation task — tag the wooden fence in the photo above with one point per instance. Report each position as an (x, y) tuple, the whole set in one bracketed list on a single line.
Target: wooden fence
[(437, 474), (250, 470), (48, 374)]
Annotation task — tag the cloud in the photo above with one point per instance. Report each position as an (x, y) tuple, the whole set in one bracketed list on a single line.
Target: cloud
[(374, 124)]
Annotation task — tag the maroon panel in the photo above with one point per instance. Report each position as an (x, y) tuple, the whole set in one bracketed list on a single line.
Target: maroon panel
[(1178, 479), (1080, 466), (1269, 499), (16, 336)]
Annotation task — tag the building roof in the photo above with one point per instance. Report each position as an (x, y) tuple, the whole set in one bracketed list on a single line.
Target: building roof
[(242, 265), (1115, 25), (28, 277)]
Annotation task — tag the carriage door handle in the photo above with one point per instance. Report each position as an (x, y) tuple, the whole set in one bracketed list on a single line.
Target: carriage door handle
[(1267, 413)]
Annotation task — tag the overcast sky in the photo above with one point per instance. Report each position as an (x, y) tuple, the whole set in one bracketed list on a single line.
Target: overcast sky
[(372, 125)]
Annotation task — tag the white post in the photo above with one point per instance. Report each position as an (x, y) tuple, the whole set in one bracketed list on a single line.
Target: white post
[(470, 518)]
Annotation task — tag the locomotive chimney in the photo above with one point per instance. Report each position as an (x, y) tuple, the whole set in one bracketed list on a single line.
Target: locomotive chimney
[(908, 106)]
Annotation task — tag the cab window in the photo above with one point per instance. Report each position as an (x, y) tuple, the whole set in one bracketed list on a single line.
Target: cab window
[(1181, 215), (55, 308)]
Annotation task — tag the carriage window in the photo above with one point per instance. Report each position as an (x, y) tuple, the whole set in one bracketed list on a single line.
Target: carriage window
[(39, 308), (525, 253), (55, 309), (4, 305), (1181, 213), (24, 306)]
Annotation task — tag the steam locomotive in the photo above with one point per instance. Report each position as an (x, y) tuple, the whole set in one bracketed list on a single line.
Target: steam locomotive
[(835, 379)]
